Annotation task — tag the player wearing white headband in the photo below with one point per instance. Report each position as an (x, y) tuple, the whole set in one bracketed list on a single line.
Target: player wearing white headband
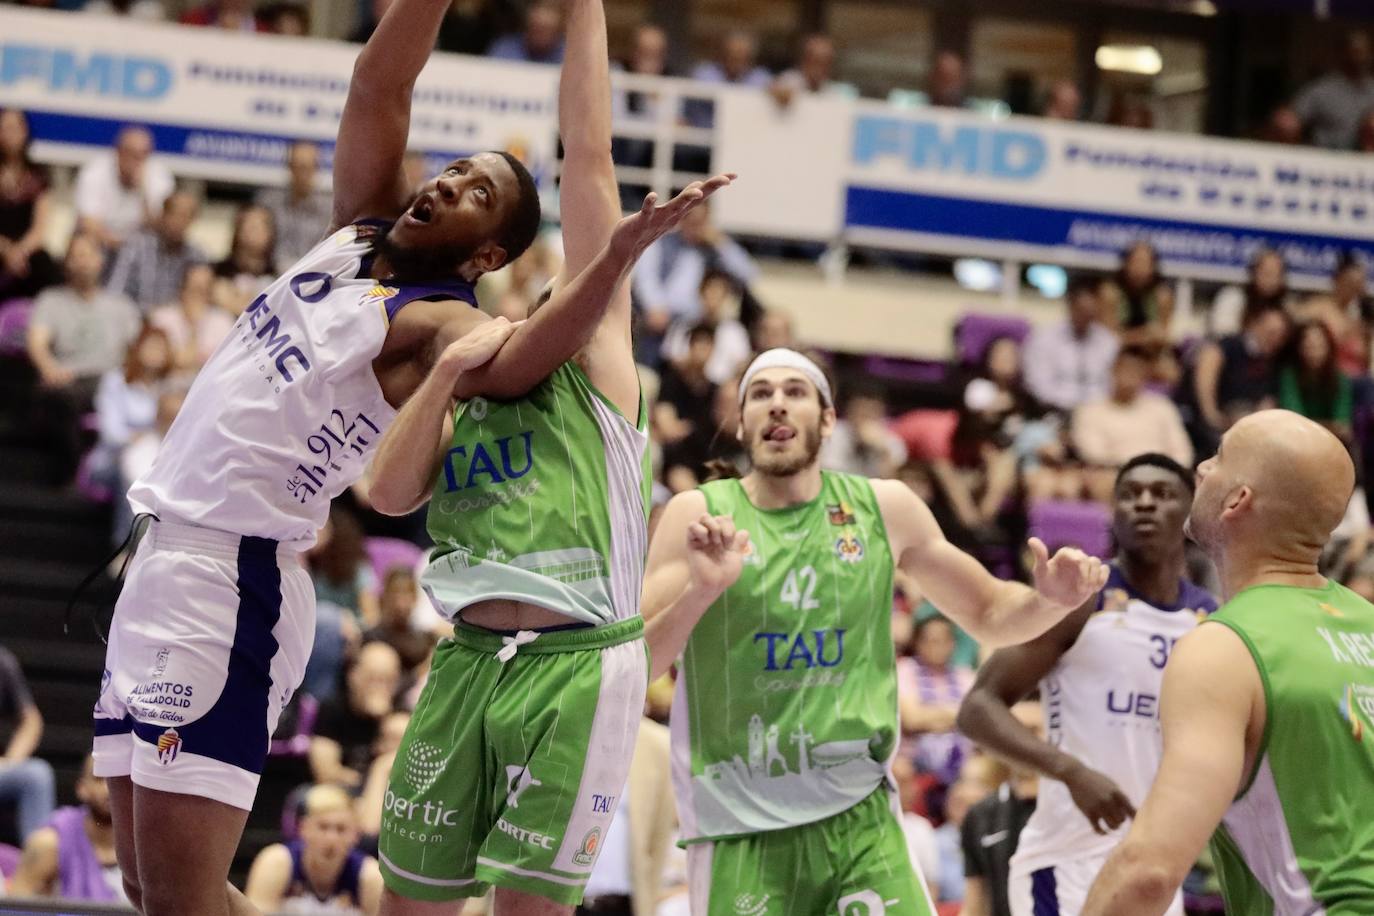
[(774, 592)]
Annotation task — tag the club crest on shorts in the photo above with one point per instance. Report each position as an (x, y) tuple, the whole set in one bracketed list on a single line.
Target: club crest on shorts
[(168, 745), (839, 513), (849, 548), (586, 853)]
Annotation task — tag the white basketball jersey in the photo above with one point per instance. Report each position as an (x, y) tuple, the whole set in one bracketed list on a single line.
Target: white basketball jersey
[(288, 410), (1101, 704)]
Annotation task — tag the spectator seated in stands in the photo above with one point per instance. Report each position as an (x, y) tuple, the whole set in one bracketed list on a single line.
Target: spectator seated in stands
[(373, 795), (345, 597), (1331, 107), (540, 43), (1069, 363), (948, 884), (26, 268), (813, 74), (120, 192), (301, 213), (668, 278), (323, 870), (1365, 143), (150, 265), (992, 828), (737, 65), (1282, 126), (929, 690), (233, 15), (1266, 288), (396, 627), (648, 57), (141, 451), (1312, 384), (861, 442), (947, 81), (25, 781), (73, 855), (470, 26), (194, 324), (774, 329), (683, 418), (347, 728), (1063, 102), (285, 18), (249, 267), (1139, 306), (1349, 313), (144, 10), (1233, 377), (1347, 553), (980, 477), (720, 302), (77, 333), (126, 401), (1131, 420)]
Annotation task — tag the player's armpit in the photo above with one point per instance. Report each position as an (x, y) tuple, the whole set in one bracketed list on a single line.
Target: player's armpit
[(1212, 700)]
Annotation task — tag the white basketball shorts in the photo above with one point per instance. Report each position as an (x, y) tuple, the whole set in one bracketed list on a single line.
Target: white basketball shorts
[(210, 638)]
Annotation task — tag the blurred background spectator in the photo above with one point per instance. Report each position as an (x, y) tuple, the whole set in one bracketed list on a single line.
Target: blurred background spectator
[(1139, 305), (193, 322), (77, 333), (250, 265), (150, 264), (301, 213), (26, 268), (1332, 107), (541, 42), (348, 726), (146, 10), (396, 624), (120, 192), (1234, 376), (1266, 288), (233, 15), (1069, 363), (929, 689), (73, 855), (862, 443), (26, 781)]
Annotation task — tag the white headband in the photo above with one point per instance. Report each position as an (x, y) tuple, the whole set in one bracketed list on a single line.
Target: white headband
[(783, 358)]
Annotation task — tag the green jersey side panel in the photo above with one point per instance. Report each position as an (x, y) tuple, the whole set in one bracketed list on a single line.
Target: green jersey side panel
[(543, 499), (786, 707), (1300, 838)]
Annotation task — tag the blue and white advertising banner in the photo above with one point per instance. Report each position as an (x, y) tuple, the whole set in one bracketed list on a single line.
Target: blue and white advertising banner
[(1026, 188), (225, 105)]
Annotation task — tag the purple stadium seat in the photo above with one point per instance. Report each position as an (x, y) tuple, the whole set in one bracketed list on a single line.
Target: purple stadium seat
[(14, 326), (9, 860), (976, 330), (386, 554), (1084, 525)]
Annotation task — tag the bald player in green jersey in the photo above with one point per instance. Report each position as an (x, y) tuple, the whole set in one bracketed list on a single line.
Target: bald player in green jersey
[(513, 763), (1268, 707), (776, 590)]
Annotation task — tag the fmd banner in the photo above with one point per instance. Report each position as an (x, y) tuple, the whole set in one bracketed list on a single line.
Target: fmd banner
[(224, 106), (956, 182)]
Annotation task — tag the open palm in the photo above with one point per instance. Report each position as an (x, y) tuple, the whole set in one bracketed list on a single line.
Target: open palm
[(638, 231)]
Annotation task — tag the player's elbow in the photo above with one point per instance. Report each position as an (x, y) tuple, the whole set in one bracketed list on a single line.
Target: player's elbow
[(972, 714), (394, 500), (1144, 873)]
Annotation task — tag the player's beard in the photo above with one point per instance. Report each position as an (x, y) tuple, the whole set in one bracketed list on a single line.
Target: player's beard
[(772, 464), (422, 264)]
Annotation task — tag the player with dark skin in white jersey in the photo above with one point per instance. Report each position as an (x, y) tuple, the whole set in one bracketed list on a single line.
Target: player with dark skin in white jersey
[(215, 621)]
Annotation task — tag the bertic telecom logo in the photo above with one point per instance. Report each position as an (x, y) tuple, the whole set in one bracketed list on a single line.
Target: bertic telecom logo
[(424, 763)]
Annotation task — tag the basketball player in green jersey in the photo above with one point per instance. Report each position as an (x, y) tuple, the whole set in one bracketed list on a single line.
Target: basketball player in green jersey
[(785, 716), (514, 760), (1268, 707)]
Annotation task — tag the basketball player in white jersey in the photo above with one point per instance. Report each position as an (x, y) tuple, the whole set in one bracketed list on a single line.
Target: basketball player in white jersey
[(1100, 673), (212, 629)]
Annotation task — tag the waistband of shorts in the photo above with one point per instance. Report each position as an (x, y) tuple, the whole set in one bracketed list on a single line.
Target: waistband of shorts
[(482, 640), (212, 542)]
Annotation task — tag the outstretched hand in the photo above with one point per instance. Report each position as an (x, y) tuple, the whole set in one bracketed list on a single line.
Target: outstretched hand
[(1070, 577), (637, 232), (715, 552), (478, 346)]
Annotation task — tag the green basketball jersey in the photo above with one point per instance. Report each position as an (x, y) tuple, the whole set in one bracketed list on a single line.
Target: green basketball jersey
[(543, 499), (786, 704), (1300, 836)]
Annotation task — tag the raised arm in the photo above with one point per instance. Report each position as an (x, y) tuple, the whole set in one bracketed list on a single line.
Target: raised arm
[(994, 612), (589, 199), (693, 559), (1007, 678), (564, 325), (1212, 707), (368, 176)]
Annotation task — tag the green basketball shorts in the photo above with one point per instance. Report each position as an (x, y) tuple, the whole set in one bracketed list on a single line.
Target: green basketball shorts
[(855, 863), (513, 762)]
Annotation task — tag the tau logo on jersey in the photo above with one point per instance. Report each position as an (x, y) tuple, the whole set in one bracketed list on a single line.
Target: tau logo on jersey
[(807, 649), (849, 548), (469, 465)]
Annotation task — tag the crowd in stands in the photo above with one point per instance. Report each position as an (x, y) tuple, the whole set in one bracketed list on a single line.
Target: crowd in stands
[(1335, 110), (119, 323)]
